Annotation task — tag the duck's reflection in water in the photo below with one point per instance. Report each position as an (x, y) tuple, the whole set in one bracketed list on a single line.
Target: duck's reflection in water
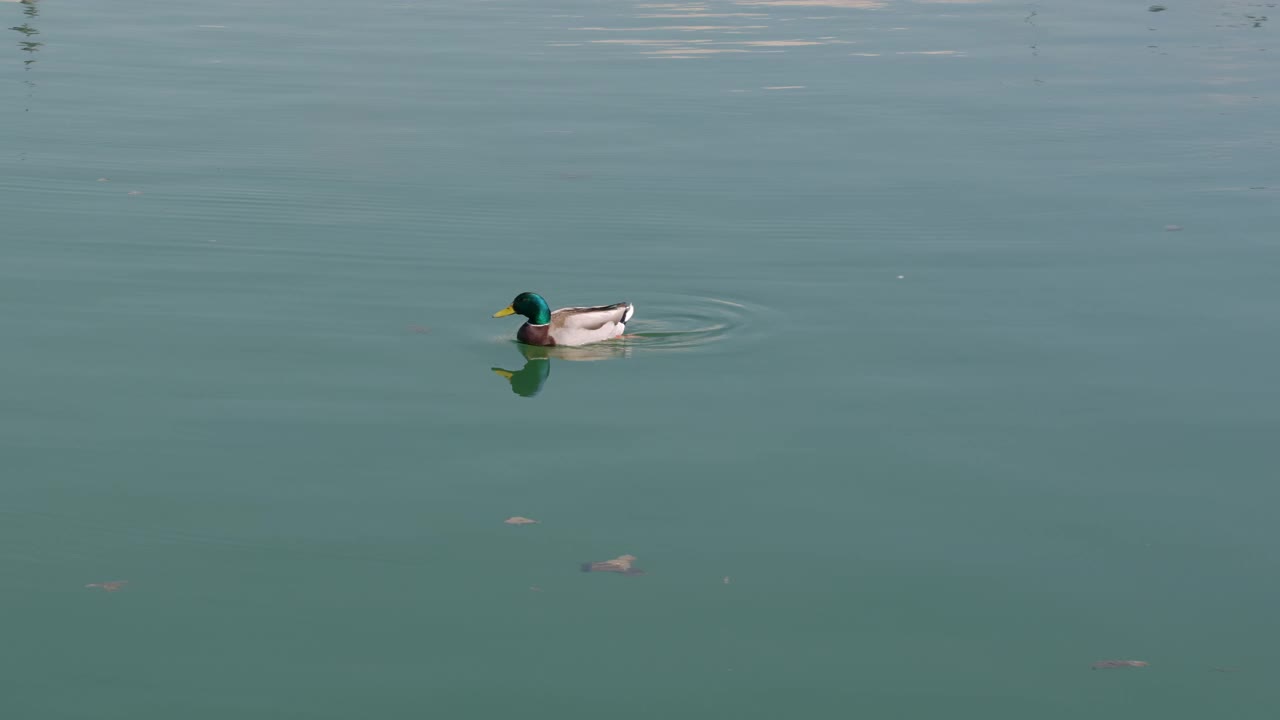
[(528, 380)]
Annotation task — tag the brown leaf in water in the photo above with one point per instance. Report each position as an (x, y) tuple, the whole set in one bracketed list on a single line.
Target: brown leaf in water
[(517, 520), (112, 586), (1103, 664), (620, 564)]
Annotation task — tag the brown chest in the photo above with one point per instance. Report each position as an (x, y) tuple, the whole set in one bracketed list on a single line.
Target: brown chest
[(535, 334)]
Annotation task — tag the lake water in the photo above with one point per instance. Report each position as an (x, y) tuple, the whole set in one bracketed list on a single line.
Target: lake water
[(959, 327)]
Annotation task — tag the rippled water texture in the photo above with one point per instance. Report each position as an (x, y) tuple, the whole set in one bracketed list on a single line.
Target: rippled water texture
[(955, 348)]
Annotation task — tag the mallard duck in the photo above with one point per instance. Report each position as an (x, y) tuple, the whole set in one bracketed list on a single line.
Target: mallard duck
[(566, 326)]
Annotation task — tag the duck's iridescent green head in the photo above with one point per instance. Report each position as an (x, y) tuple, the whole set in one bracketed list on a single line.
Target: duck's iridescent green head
[(530, 305)]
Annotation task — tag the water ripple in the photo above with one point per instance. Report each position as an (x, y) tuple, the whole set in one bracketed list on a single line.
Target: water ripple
[(691, 322)]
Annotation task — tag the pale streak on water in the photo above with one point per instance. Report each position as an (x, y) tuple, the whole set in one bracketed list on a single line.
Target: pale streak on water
[(919, 363)]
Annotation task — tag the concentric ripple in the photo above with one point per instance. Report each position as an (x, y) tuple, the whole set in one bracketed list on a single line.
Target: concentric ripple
[(692, 323)]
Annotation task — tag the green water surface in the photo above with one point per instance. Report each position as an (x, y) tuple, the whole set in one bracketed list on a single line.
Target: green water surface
[(959, 328)]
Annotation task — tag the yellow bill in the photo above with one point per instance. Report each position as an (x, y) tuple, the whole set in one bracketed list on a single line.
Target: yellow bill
[(508, 310)]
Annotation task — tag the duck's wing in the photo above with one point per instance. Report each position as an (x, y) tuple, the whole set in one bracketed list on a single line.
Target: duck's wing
[(590, 318), (583, 325)]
